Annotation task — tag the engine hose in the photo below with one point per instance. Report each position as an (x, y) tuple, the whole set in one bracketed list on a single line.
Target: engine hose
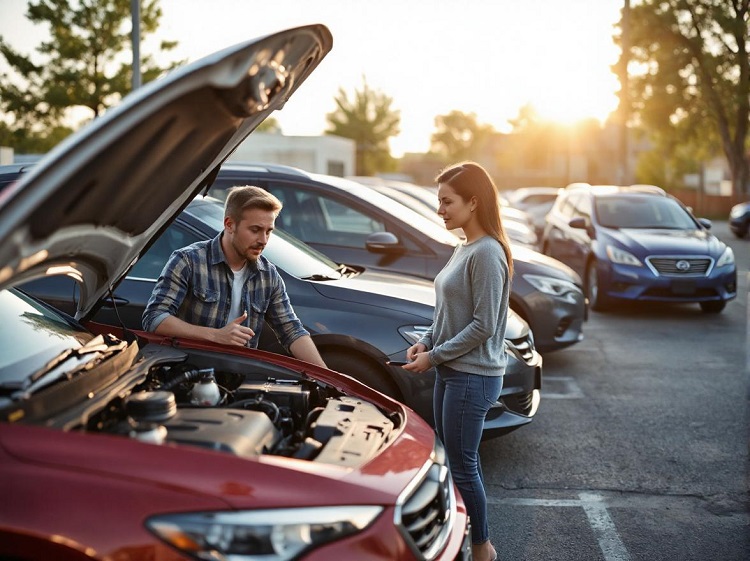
[(186, 377)]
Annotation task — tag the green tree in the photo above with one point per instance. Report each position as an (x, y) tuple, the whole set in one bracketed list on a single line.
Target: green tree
[(689, 81), (82, 64), (458, 136), (368, 119)]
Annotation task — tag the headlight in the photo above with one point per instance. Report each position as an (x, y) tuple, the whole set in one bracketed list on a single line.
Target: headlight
[(727, 258), (622, 257), (555, 287), (413, 333), (270, 535), (738, 210)]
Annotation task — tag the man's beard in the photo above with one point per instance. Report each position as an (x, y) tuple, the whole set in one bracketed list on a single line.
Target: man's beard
[(246, 252)]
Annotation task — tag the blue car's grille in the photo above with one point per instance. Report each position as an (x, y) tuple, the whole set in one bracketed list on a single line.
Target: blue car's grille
[(681, 266)]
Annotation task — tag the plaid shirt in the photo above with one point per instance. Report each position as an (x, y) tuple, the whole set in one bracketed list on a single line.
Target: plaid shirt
[(195, 286)]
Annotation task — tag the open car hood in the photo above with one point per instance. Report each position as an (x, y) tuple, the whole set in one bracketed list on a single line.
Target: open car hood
[(91, 206)]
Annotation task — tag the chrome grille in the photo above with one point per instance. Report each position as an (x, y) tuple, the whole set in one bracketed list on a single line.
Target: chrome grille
[(524, 346), (426, 513), (680, 266)]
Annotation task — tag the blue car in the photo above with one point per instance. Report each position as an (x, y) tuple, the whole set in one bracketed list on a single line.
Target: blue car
[(639, 243), (739, 219)]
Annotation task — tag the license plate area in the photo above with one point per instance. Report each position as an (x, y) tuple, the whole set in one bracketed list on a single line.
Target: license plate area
[(683, 287)]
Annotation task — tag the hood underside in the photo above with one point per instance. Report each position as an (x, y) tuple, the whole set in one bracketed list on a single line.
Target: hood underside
[(92, 205)]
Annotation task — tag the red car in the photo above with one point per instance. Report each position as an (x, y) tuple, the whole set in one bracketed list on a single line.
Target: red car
[(125, 446)]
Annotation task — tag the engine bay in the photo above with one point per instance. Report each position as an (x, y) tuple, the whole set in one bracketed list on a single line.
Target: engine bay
[(247, 415)]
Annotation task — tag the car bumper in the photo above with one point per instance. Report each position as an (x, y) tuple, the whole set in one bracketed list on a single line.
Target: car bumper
[(555, 321), (639, 283), (739, 225), (519, 399)]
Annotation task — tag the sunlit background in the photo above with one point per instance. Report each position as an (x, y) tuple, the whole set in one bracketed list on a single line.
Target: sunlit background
[(431, 56)]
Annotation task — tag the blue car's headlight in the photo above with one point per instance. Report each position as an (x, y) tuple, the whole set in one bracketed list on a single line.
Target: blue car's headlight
[(270, 535), (413, 333), (622, 257), (554, 287), (727, 258)]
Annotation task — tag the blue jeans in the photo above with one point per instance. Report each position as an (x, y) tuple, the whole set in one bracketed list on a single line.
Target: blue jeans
[(461, 402)]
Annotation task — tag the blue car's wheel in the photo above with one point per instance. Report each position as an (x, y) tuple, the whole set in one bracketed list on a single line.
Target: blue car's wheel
[(597, 300)]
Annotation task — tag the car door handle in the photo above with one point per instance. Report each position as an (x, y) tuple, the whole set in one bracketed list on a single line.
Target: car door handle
[(112, 301)]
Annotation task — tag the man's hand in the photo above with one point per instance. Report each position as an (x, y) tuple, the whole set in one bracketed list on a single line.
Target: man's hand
[(234, 333)]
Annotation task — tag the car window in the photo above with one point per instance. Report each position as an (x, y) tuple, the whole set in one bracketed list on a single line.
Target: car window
[(316, 218), (33, 334), (150, 265), (539, 199), (642, 212)]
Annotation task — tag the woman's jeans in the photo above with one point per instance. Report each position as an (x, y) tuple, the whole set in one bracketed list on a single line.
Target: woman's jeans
[(461, 402)]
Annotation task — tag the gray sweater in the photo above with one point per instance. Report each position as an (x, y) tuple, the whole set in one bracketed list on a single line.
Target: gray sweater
[(472, 291)]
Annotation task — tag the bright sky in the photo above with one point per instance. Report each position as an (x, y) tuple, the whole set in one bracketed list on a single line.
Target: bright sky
[(487, 57)]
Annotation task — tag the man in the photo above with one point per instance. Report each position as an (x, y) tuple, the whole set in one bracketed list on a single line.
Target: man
[(221, 290)]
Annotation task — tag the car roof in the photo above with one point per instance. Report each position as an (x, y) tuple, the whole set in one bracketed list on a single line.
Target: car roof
[(635, 189)]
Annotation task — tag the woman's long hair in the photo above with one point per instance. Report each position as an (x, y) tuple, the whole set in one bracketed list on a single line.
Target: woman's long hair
[(469, 179)]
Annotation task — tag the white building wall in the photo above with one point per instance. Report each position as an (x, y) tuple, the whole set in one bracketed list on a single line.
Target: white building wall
[(331, 155)]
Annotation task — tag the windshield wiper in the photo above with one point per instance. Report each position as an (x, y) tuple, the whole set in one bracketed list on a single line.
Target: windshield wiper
[(104, 348)]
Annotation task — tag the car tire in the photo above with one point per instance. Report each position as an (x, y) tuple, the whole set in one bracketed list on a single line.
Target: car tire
[(713, 307), (597, 301), (361, 368), (742, 231)]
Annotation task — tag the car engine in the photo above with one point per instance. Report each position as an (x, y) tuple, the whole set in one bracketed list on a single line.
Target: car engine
[(223, 411)]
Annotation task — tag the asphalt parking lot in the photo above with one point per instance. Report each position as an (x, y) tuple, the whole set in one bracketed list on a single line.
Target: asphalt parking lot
[(640, 447)]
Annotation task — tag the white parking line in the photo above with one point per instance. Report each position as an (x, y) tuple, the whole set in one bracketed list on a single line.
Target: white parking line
[(606, 534), (593, 505), (570, 388)]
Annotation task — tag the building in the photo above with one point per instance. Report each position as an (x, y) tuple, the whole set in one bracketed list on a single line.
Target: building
[(331, 155)]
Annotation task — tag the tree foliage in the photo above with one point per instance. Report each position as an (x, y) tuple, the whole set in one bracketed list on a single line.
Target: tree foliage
[(369, 119), (690, 79), (85, 62), (458, 136)]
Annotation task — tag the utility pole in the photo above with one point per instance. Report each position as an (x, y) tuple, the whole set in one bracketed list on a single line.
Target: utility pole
[(135, 12), (624, 109)]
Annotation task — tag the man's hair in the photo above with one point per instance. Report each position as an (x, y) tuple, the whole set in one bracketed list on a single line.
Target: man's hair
[(246, 197)]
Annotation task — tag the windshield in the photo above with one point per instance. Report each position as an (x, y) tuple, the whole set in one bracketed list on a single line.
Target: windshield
[(613, 211), (283, 250), (31, 335)]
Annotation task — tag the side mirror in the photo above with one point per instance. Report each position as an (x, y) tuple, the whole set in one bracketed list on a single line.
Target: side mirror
[(705, 222), (580, 223), (383, 242)]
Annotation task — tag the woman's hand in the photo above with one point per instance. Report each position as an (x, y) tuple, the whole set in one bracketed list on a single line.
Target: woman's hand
[(419, 359)]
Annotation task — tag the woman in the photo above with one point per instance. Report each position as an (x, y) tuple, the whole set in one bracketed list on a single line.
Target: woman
[(466, 340)]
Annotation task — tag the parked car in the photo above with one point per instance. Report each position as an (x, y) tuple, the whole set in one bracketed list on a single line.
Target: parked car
[(639, 243), (124, 445), (9, 174), (353, 224), (739, 219), (535, 201), (416, 198), (428, 195), (358, 319)]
